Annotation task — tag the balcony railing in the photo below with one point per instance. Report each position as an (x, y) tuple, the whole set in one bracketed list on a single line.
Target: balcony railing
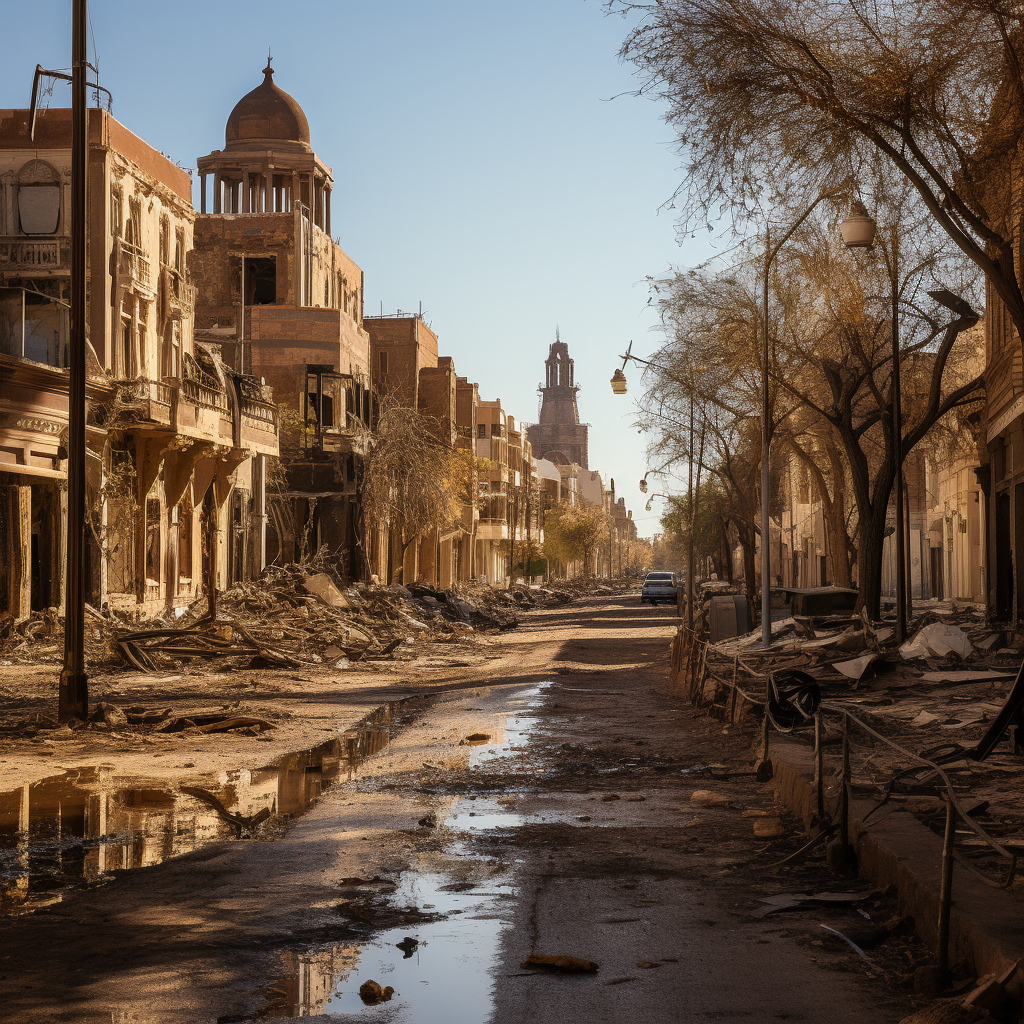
[(179, 295), (143, 400), (200, 388), (265, 411), (25, 254), (134, 263)]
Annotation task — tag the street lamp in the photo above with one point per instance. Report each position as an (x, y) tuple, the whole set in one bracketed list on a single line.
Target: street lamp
[(766, 424), (619, 382), (858, 231)]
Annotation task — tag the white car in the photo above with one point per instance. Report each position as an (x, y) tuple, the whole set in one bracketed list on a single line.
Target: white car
[(659, 586)]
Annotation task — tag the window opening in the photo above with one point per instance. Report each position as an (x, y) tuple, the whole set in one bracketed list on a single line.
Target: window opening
[(260, 280)]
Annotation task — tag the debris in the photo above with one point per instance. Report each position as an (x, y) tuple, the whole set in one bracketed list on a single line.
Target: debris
[(407, 946), (853, 945), (371, 993), (967, 676), (477, 737), (558, 963), (322, 586), (647, 965), (856, 667), (767, 828), (428, 821), (937, 640), (796, 900), (707, 798)]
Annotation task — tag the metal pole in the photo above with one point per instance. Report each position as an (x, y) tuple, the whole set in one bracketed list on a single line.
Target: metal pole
[(766, 442), (897, 448), (73, 688), (689, 556), (844, 796), (819, 766), (946, 889)]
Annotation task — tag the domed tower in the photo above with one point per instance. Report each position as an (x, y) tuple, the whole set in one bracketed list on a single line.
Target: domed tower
[(559, 436), (267, 164)]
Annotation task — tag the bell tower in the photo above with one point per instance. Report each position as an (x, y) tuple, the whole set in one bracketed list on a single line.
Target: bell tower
[(559, 436)]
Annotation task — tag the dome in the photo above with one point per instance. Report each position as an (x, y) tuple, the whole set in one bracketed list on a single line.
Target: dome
[(265, 114)]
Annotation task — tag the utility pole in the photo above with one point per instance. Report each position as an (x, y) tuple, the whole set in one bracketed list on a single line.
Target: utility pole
[(73, 688)]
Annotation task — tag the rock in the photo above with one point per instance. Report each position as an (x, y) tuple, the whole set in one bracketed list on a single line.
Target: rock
[(371, 993), (407, 946), (708, 798), (766, 828), (428, 820), (610, 796), (114, 717), (557, 963)]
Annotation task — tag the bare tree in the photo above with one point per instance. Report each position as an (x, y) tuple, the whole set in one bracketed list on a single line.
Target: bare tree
[(414, 481), (770, 100)]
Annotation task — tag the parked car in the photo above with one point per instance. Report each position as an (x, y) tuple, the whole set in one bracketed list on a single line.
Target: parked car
[(659, 586)]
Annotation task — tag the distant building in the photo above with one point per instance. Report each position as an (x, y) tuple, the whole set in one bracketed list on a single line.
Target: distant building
[(559, 436)]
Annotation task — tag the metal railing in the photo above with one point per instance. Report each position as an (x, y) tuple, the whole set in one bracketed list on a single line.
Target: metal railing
[(135, 263), (690, 657)]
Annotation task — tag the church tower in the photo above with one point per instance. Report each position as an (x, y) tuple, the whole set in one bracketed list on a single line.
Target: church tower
[(559, 436)]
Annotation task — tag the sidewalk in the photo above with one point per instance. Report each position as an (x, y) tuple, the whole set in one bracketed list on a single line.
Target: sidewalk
[(929, 705)]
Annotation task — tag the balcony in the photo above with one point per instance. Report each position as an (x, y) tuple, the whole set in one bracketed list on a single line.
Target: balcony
[(258, 428), (178, 295), (492, 529), (22, 254), (134, 265), (143, 402)]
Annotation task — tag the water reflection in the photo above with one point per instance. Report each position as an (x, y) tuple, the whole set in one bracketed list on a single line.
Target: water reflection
[(446, 980), (78, 826)]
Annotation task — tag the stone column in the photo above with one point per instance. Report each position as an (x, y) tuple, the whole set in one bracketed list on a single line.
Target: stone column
[(246, 190), (216, 193), (21, 551), (327, 210), (202, 193)]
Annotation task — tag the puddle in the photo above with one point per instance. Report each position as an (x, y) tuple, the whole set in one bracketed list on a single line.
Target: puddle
[(443, 979), (446, 977), (78, 826)]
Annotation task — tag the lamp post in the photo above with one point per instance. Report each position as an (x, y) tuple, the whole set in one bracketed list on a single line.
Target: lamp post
[(766, 423), (72, 690), (858, 231), (618, 383)]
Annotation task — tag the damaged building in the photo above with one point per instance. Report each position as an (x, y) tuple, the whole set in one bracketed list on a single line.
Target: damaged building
[(171, 431), (282, 303)]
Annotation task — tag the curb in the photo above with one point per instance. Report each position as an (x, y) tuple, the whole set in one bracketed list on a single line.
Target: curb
[(986, 928)]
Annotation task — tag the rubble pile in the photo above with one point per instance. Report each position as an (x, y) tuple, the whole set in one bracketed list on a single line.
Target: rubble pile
[(293, 615)]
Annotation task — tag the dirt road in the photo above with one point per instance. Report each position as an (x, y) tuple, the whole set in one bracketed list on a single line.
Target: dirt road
[(538, 803)]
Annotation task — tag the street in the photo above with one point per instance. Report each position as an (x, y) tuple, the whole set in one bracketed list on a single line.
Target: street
[(546, 812)]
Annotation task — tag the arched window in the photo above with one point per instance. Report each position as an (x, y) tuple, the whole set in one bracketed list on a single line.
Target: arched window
[(38, 198)]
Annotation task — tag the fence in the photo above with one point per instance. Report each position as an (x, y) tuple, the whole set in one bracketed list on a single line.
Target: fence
[(692, 668)]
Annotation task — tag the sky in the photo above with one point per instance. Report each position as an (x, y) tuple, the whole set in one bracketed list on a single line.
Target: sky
[(481, 166)]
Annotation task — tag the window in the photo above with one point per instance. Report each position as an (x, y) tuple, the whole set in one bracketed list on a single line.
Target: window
[(383, 362), (165, 241), (260, 280), (481, 430), (39, 208), (152, 542), (115, 212)]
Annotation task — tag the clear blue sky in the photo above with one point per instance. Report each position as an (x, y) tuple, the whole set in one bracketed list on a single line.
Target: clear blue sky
[(478, 167)]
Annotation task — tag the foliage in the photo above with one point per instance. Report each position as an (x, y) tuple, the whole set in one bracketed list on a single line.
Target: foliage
[(573, 533)]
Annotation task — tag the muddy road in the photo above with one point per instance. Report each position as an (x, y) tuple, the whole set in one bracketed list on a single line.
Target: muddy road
[(535, 803)]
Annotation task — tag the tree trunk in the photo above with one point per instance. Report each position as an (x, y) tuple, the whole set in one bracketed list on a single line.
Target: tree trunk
[(869, 565), (835, 525)]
